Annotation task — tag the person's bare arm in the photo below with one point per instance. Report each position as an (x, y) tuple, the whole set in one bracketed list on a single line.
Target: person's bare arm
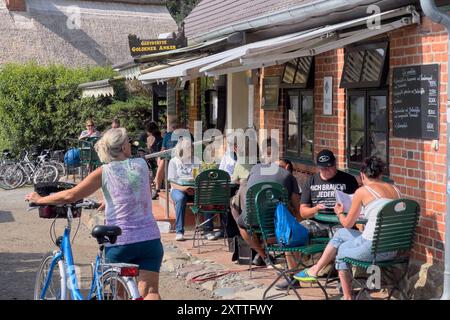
[(353, 214), (307, 212), (85, 188), (188, 190), (295, 204)]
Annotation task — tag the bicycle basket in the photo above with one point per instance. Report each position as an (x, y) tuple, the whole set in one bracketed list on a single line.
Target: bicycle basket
[(51, 211)]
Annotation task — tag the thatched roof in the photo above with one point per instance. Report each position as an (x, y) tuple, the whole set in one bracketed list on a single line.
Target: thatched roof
[(46, 34)]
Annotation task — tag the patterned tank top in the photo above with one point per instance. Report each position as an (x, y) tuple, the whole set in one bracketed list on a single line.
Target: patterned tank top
[(126, 189)]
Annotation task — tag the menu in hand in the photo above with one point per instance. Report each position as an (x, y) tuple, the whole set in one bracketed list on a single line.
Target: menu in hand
[(344, 199)]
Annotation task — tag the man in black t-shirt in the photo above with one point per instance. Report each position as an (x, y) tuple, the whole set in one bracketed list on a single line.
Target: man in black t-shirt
[(318, 193)]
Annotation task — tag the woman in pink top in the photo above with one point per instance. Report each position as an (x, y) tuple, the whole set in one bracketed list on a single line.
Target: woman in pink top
[(125, 183)]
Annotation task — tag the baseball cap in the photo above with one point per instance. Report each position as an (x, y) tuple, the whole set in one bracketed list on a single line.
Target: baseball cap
[(325, 158)]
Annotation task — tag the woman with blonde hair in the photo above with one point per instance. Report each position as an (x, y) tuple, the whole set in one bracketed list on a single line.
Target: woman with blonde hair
[(126, 190)]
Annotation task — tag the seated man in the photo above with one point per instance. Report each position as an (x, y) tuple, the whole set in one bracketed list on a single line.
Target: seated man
[(318, 192), (262, 173)]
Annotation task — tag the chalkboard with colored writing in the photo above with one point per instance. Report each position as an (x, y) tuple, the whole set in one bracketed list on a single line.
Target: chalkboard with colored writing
[(415, 101)]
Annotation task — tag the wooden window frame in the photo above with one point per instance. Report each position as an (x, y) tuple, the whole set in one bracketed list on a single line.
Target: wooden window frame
[(366, 84), (366, 93), (298, 156)]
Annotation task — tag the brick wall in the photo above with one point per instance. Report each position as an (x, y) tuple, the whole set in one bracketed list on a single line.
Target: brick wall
[(415, 166)]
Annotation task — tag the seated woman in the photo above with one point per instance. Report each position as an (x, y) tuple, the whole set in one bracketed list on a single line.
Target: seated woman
[(346, 242), (126, 189), (90, 131), (180, 167)]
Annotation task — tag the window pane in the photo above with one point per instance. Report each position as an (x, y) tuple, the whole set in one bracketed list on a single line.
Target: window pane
[(378, 145), (289, 71), (356, 109), (373, 64), (292, 141), (378, 113), (307, 109), (353, 65), (304, 64), (293, 108), (356, 146), (307, 141)]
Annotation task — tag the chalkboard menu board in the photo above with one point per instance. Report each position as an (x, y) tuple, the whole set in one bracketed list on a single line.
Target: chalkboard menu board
[(416, 101)]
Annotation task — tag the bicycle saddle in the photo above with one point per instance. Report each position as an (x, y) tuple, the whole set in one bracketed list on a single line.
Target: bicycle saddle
[(105, 234)]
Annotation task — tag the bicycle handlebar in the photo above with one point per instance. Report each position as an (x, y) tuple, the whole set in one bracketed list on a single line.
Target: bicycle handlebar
[(87, 204)]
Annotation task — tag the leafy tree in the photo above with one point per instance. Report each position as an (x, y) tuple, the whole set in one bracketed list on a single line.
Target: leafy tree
[(42, 106), (180, 9)]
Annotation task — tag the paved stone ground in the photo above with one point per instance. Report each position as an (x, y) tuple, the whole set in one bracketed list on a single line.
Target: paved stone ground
[(24, 239)]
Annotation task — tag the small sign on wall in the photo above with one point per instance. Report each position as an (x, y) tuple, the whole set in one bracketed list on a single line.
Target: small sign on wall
[(271, 88), (328, 96)]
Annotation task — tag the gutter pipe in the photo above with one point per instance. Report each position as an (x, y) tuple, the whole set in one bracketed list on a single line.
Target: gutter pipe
[(430, 9)]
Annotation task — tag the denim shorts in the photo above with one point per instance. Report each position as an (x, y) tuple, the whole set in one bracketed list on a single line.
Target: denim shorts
[(350, 244), (147, 254)]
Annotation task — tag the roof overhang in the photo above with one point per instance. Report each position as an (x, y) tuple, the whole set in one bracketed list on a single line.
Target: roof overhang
[(99, 88), (284, 48)]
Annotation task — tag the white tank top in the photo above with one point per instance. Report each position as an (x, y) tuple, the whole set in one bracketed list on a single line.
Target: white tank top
[(370, 212)]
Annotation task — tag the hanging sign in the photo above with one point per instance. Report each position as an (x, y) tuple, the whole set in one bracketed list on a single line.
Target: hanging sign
[(140, 47)]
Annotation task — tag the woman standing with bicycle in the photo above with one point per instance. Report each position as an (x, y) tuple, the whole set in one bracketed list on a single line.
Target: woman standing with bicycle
[(126, 188)]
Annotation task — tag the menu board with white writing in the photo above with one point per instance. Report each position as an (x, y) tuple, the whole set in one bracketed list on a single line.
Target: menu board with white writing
[(415, 100)]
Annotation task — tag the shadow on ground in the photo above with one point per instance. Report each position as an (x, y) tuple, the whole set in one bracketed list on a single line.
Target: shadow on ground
[(17, 274), (6, 216)]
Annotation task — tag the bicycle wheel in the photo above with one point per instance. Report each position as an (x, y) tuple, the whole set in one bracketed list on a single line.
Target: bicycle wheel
[(12, 177), (60, 166), (115, 287), (46, 173), (54, 287)]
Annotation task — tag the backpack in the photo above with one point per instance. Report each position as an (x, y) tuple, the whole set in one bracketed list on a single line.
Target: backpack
[(72, 157), (288, 231)]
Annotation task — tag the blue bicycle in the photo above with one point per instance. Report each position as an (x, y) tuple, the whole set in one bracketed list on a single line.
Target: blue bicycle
[(57, 278)]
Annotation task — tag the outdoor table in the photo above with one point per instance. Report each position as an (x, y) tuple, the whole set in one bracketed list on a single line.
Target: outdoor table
[(191, 183), (331, 218)]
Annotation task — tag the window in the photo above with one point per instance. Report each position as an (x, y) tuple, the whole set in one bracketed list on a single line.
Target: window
[(297, 72), (365, 66), (367, 126), (184, 96), (300, 124)]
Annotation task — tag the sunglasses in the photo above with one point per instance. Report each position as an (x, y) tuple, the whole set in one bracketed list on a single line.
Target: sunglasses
[(89, 125)]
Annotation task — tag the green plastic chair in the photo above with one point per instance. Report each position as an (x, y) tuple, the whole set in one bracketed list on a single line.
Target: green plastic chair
[(267, 200), (395, 230), (212, 196), (88, 155)]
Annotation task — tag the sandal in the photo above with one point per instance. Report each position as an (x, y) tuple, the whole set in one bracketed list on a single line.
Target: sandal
[(304, 276)]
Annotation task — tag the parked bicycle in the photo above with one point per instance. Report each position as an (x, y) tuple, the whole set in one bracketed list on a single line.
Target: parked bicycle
[(26, 171), (6, 160), (56, 276)]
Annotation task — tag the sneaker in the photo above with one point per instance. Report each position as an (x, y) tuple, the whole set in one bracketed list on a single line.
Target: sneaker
[(269, 259), (179, 237), (211, 236), (305, 276), (155, 194), (258, 261), (219, 234), (284, 285)]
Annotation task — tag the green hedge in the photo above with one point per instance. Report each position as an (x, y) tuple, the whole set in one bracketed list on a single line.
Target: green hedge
[(42, 106)]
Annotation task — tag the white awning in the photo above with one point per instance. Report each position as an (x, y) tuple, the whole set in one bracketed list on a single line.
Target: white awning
[(281, 49)]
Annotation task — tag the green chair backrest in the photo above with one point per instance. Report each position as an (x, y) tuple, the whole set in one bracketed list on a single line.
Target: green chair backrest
[(251, 218), (395, 226), (212, 187), (88, 153), (267, 200)]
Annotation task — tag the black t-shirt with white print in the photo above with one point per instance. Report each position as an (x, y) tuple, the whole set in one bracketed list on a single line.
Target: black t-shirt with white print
[(319, 191)]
